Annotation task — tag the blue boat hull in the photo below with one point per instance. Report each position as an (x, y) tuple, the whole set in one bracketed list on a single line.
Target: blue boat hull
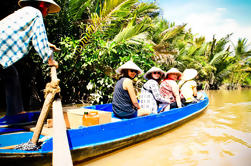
[(10, 124), (87, 142)]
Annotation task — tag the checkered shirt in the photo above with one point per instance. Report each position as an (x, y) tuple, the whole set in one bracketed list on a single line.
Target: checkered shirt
[(16, 32), (147, 99)]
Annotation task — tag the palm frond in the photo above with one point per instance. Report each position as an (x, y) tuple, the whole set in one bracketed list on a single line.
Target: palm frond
[(140, 39), (116, 8), (220, 56), (145, 9), (133, 29), (172, 32), (78, 7)]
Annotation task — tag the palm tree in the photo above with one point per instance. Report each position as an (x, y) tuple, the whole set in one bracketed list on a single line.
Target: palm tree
[(240, 68)]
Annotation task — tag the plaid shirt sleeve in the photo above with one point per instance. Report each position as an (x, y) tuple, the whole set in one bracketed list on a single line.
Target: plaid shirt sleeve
[(16, 32)]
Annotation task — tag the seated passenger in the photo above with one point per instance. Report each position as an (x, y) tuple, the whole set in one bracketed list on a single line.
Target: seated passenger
[(188, 87), (170, 89), (150, 96), (124, 103)]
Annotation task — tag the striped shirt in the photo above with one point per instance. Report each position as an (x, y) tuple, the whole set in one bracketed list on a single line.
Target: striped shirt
[(16, 33)]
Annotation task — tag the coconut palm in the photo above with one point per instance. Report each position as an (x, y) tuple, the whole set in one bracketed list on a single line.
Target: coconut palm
[(240, 67)]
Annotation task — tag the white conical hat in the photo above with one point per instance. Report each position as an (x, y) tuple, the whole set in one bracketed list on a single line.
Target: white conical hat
[(53, 8), (173, 71), (129, 65), (189, 74), (154, 69)]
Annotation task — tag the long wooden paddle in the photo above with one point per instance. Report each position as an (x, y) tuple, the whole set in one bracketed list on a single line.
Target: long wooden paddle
[(61, 149)]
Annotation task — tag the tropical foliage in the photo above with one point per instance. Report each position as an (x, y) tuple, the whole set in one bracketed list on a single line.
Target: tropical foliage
[(125, 30)]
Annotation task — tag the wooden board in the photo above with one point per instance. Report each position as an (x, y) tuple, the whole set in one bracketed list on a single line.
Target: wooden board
[(45, 131), (73, 117)]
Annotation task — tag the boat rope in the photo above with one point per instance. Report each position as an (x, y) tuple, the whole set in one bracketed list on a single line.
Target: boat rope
[(52, 87)]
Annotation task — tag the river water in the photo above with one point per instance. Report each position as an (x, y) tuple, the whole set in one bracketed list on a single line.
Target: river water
[(221, 136)]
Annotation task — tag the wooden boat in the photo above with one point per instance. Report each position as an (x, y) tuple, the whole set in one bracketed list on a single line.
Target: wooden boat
[(87, 142)]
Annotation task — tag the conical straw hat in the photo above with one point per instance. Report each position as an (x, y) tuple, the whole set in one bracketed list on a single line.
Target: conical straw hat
[(189, 74), (154, 69), (53, 8), (129, 65), (173, 71)]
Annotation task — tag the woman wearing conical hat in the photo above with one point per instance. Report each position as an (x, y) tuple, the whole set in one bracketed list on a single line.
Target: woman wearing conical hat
[(188, 87), (125, 103), (170, 89), (150, 96), (20, 30)]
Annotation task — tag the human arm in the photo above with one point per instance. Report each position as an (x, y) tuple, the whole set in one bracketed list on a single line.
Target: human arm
[(156, 92), (194, 88), (128, 85), (175, 89), (40, 42)]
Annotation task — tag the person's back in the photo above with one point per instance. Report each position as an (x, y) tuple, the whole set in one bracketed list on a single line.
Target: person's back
[(121, 103), (170, 89), (125, 104), (188, 87), (187, 90)]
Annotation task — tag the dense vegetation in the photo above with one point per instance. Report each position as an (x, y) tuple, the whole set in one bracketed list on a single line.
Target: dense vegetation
[(97, 36)]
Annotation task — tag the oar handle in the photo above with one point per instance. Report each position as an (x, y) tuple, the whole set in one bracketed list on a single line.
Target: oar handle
[(53, 73)]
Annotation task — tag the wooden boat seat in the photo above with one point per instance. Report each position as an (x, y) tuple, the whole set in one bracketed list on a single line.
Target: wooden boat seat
[(73, 117)]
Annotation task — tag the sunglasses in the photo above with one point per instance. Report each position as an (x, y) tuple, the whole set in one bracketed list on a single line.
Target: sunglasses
[(156, 73), (135, 71)]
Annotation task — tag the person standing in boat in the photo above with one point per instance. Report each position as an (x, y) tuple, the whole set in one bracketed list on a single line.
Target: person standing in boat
[(170, 89), (125, 103), (18, 31), (150, 96), (188, 87)]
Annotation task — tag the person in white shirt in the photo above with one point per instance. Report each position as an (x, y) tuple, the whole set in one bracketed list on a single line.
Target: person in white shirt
[(188, 87)]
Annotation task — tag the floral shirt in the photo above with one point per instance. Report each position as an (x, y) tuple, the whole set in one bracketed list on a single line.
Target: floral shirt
[(169, 89), (149, 96)]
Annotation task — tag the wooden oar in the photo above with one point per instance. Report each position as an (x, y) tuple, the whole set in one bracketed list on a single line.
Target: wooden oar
[(45, 110), (61, 150)]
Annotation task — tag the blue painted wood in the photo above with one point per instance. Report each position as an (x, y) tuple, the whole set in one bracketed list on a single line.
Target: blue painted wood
[(19, 119), (11, 124), (10, 130), (93, 140)]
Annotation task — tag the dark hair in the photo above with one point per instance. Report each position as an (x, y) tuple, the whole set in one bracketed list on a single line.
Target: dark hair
[(124, 72), (149, 76)]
